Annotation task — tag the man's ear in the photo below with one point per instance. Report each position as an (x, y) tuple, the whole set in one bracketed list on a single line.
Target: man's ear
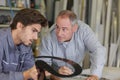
[(19, 25), (75, 27)]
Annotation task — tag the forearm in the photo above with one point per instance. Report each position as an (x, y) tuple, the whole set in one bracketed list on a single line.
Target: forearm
[(30, 73), (96, 71), (97, 62)]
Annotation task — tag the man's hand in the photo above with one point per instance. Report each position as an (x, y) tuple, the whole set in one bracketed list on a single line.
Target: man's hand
[(93, 77), (31, 73), (65, 70)]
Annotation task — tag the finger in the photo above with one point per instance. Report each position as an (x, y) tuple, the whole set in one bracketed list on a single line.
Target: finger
[(64, 71), (68, 70), (34, 75)]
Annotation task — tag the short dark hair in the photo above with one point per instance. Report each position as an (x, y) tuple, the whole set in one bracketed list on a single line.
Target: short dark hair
[(27, 17)]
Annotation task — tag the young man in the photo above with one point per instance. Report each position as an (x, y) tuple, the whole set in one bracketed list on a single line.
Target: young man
[(70, 38), (16, 56)]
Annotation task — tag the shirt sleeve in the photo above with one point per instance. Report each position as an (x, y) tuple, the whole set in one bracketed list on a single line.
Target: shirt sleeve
[(97, 52), (29, 59), (46, 49)]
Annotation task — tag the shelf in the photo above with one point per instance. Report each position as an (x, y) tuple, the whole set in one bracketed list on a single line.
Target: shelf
[(13, 8), (4, 25), (8, 8), (5, 11)]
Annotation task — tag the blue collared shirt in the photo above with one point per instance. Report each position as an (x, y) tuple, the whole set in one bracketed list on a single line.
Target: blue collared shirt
[(13, 59), (82, 40)]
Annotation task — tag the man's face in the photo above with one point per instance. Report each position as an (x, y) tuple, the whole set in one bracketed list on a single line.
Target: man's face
[(64, 29), (29, 33)]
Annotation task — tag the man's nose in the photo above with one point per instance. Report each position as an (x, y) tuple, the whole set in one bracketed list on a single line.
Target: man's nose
[(35, 37), (59, 32)]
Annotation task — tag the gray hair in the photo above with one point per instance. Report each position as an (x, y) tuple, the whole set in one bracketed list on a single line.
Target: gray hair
[(71, 15)]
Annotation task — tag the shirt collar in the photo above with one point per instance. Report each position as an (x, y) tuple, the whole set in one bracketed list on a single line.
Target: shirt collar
[(10, 39), (65, 44)]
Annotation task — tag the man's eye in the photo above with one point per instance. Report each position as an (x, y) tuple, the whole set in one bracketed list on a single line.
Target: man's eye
[(34, 30), (64, 29), (57, 27)]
